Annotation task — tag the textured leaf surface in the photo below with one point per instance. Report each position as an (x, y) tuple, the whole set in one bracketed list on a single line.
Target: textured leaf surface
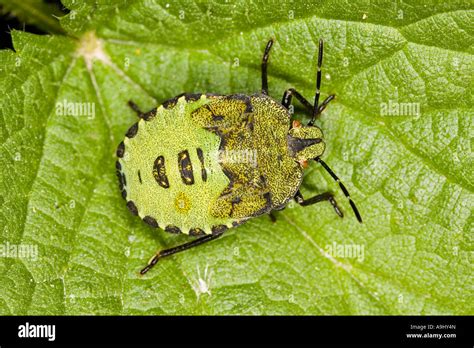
[(34, 12), (411, 175)]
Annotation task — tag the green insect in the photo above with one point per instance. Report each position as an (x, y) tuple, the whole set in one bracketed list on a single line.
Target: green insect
[(200, 164)]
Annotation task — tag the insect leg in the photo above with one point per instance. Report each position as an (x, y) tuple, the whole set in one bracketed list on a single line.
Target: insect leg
[(325, 103), (272, 217), (326, 196), (266, 54), (135, 108), (141, 114), (289, 93), (167, 252), (341, 185)]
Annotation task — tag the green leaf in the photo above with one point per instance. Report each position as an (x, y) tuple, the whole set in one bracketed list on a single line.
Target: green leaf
[(411, 173), (34, 12)]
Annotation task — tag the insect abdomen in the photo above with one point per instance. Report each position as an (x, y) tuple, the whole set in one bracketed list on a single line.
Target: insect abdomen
[(180, 176)]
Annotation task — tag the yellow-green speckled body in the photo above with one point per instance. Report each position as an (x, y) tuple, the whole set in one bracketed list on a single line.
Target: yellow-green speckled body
[(204, 163)]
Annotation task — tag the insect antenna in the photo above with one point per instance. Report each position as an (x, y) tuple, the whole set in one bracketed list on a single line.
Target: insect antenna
[(343, 188), (318, 84), (266, 55)]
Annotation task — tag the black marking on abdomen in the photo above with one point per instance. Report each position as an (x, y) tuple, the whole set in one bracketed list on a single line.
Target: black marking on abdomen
[(124, 179), (120, 150), (139, 177), (132, 131), (159, 172), (196, 232), (170, 103), (132, 207), (190, 97), (172, 229), (185, 167), (119, 176), (121, 180), (219, 229), (147, 116), (151, 221), (201, 159)]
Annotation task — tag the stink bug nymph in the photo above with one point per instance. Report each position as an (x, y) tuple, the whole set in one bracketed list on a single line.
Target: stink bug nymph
[(200, 164)]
